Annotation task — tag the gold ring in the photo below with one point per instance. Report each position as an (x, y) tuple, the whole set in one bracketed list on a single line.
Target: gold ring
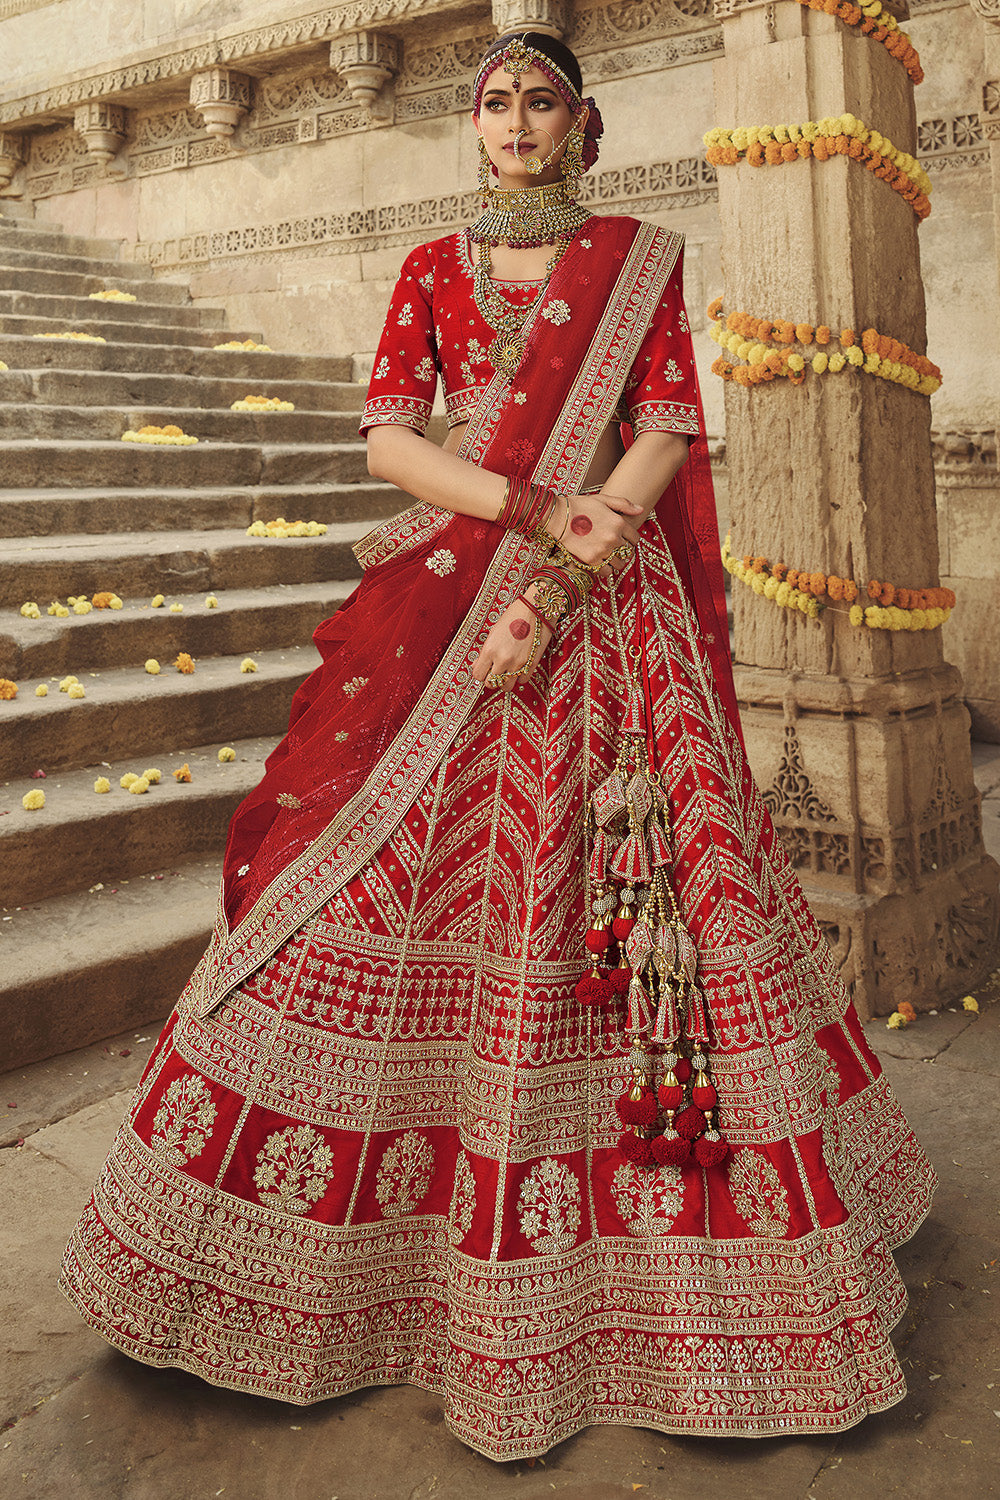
[(624, 551), (497, 679)]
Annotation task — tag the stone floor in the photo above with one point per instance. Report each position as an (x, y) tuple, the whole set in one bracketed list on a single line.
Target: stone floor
[(82, 1422)]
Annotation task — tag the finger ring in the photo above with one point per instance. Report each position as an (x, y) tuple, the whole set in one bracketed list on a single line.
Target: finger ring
[(624, 551), (496, 679)]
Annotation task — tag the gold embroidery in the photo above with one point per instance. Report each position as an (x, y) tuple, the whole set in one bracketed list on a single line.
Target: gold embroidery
[(183, 1122), (294, 1169), (649, 1202), (758, 1194), (463, 1203), (549, 1207), (404, 1174)]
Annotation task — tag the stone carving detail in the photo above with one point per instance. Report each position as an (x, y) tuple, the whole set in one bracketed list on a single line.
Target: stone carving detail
[(365, 60), (791, 794), (988, 9), (102, 128), (966, 459), (531, 15), (222, 97), (9, 8), (950, 142), (969, 933), (13, 154)]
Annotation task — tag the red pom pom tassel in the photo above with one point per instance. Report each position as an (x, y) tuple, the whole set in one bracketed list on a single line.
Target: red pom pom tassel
[(690, 1123), (641, 1111), (704, 1096), (709, 1152), (598, 939), (671, 1150), (682, 1069), (636, 1150), (671, 1095), (622, 926), (619, 980)]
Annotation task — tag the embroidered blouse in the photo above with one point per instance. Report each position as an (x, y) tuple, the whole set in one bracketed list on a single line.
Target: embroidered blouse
[(434, 328)]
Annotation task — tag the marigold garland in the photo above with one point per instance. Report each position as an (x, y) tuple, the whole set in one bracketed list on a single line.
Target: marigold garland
[(8, 689), (262, 403), (80, 338), (870, 17), (840, 135), (281, 527), (753, 339), (245, 344), (170, 435), (111, 296), (893, 607)]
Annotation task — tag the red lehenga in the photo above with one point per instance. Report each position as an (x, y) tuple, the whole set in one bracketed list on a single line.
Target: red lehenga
[(377, 1141)]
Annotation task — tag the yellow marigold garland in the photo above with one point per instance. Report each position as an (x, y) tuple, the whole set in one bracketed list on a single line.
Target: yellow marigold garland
[(754, 340), (169, 436), (281, 527), (80, 338), (893, 607), (262, 403), (111, 296), (839, 135), (245, 344), (870, 17)]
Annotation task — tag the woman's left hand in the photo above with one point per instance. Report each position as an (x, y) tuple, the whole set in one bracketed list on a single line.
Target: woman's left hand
[(507, 648)]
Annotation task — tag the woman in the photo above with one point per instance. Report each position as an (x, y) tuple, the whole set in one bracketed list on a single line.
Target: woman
[(413, 1119)]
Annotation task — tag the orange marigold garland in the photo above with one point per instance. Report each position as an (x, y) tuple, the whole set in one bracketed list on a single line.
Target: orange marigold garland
[(745, 337), (870, 18), (892, 608)]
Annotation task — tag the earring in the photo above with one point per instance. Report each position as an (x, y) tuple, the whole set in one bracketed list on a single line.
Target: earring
[(484, 167), (572, 161)]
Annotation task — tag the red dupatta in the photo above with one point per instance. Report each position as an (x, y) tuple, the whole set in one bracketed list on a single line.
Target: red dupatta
[(374, 720)]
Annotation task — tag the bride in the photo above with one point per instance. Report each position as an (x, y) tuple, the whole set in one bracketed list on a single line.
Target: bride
[(517, 1068)]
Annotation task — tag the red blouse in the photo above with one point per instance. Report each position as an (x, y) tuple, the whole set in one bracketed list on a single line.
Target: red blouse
[(434, 327)]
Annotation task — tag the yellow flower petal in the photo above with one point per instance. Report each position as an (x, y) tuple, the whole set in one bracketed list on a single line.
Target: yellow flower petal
[(102, 784), (153, 667), (227, 753), (32, 801), (76, 690), (248, 664), (969, 1002)]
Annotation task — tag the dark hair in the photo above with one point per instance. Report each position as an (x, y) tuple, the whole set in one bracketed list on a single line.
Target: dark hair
[(550, 46)]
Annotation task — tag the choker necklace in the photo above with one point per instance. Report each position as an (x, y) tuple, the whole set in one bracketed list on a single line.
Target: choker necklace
[(527, 217)]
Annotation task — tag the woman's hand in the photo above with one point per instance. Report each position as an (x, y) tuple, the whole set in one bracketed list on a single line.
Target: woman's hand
[(597, 525), (508, 646)]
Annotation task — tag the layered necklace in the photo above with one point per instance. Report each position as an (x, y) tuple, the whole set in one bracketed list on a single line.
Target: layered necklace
[(522, 218)]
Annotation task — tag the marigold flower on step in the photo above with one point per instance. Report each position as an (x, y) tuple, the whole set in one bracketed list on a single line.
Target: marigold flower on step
[(32, 801), (127, 780), (183, 773), (30, 611), (152, 776), (969, 1002), (184, 663), (102, 784), (897, 1021), (82, 607), (227, 753), (102, 600), (112, 295), (152, 666), (176, 608), (76, 690), (248, 664), (245, 344), (8, 689), (3, 368), (42, 690), (211, 602), (138, 786), (157, 601), (906, 1009), (67, 683)]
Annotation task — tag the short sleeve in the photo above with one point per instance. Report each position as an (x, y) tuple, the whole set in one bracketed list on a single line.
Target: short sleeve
[(661, 393), (404, 377)]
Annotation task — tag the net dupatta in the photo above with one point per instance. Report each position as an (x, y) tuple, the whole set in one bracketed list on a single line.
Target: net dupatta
[(371, 724)]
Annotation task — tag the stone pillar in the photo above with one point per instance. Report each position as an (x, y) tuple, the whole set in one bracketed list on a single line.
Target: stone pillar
[(551, 16), (858, 737), (13, 154), (989, 117), (103, 127)]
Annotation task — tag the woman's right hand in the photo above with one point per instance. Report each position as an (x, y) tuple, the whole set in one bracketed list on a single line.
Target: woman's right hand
[(597, 525)]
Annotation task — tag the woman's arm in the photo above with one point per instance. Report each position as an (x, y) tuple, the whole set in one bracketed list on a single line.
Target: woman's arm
[(645, 470)]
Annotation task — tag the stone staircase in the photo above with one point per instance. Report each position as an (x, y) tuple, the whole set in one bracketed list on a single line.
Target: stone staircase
[(108, 900)]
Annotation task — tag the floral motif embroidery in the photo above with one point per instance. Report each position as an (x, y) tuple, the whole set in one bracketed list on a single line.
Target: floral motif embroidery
[(354, 685), (427, 281), (463, 1201), (382, 368), (682, 322), (649, 1202), (672, 371), (758, 1194), (520, 397), (184, 1120), (586, 244), (242, 869), (425, 369), (441, 562), (288, 799), (476, 351), (522, 451), (404, 1174), (557, 311), (341, 735), (294, 1169), (549, 1207), (405, 315)]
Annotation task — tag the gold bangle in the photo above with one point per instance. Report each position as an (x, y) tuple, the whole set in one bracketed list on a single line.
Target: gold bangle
[(566, 522)]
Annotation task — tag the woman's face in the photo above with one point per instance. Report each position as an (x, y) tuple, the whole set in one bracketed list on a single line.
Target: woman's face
[(537, 109)]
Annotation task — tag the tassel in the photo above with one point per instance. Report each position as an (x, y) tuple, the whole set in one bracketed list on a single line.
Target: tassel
[(697, 1026), (637, 1150), (619, 980), (639, 944), (631, 863), (670, 1149), (638, 1009), (711, 1150), (703, 1094), (609, 800), (666, 944), (671, 1092), (598, 938), (682, 1068), (687, 952), (638, 1107), (634, 722), (659, 847), (640, 796), (624, 920), (593, 988), (690, 1123), (599, 858), (667, 1025)]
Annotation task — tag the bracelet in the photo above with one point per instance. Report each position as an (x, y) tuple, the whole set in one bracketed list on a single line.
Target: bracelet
[(567, 560), (525, 506), (566, 522), (549, 615), (535, 638)]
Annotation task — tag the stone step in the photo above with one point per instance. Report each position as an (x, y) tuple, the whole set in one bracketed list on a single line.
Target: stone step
[(170, 359), (70, 310), (77, 968), (129, 713), (126, 271), (34, 464), (245, 622), (210, 424), (55, 512), (92, 318), (34, 235), (43, 281), (141, 564), (109, 388)]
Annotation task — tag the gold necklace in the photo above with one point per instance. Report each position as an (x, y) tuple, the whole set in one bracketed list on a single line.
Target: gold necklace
[(507, 349)]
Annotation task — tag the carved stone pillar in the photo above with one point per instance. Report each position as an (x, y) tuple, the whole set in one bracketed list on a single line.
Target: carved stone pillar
[(103, 127), (222, 97), (13, 154), (366, 60), (857, 736), (551, 16), (989, 117)]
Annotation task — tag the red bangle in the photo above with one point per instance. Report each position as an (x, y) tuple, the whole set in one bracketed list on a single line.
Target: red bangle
[(520, 599), (525, 506)]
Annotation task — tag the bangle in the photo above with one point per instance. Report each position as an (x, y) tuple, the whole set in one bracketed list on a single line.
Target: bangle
[(525, 506), (550, 618), (566, 522)]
